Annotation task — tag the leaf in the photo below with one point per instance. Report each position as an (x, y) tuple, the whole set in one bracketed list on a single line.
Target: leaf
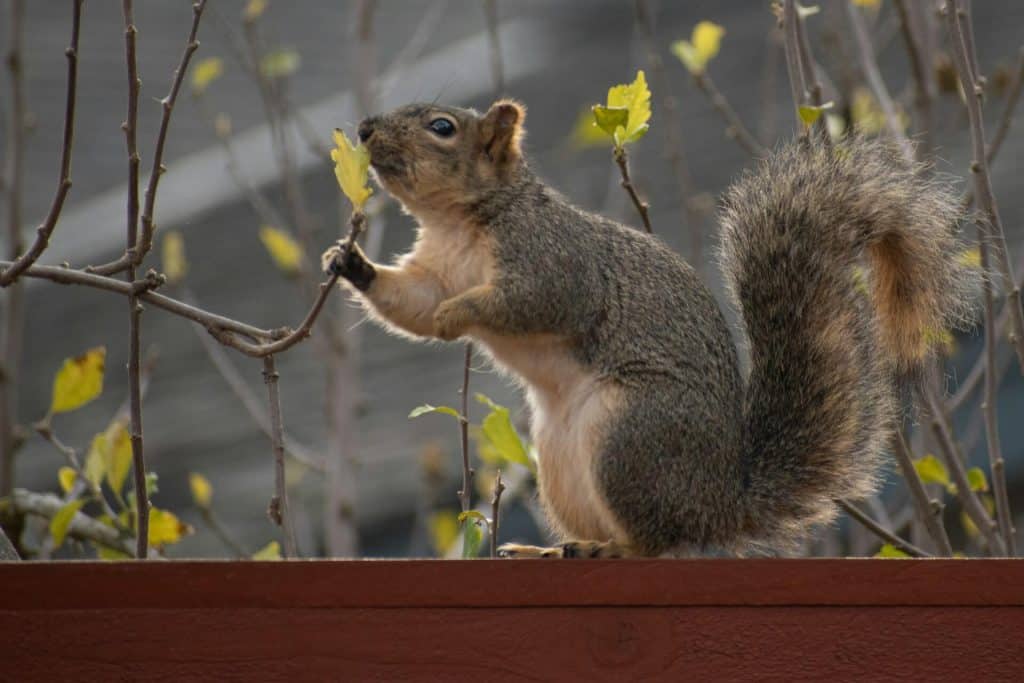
[(118, 456), (96, 460), (271, 551), (637, 99), (66, 476), (607, 119), (351, 168), (62, 521), (105, 553), (285, 251), (809, 114), (701, 48), (206, 72), (475, 515), (254, 9), (499, 433), (165, 528), (426, 408), (867, 115), (586, 132), (890, 551), (976, 479), (280, 63), (970, 258), (79, 380), (969, 527), (932, 471), (444, 529), (202, 490), (174, 263), (472, 539)]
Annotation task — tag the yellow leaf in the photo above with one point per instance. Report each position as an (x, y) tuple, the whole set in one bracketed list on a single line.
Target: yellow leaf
[(809, 113), (175, 265), (202, 491), (254, 9), (890, 551), (701, 48), (96, 460), (285, 251), (970, 258), (271, 551), (586, 132), (66, 476), (206, 72), (636, 98), (351, 168), (105, 553), (977, 480), (444, 530), (79, 381), (62, 520), (280, 63), (165, 528), (118, 456), (932, 471)]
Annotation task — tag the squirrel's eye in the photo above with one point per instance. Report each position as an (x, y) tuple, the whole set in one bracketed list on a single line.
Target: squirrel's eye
[(442, 127)]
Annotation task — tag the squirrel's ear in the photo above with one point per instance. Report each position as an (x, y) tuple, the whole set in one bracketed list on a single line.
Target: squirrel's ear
[(501, 129)]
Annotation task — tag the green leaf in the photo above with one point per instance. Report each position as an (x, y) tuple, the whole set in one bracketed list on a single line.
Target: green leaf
[(474, 515), (427, 408), (352, 169), (472, 539), (608, 119), (79, 380), (151, 483), (280, 63), (118, 456), (62, 521), (976, 479), (497, 432), (586, 132), (636, 98), (271, 551), (809, 114), (890, 551), (933, 471)]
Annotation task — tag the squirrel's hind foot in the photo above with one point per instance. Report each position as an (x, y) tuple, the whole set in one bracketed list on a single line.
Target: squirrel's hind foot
[(575, 550)]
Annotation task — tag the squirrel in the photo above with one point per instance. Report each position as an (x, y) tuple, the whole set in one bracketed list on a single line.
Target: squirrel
[(843, 261)]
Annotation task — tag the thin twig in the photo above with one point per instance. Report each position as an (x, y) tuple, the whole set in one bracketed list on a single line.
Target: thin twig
[(278, 510), (924, 81), (880, 531), (214, 524), (869, 67), (928, 511), (622, 160), (734, 127), (954, 463), (499, 488), (465, 493), (993, 223), (145, 242), (82, 526), (494, 44), (989, 406), (14, 320), (44, 231)]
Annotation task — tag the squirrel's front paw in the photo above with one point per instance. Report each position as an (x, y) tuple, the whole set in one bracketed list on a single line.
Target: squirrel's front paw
[(348, 261), (449, 321)]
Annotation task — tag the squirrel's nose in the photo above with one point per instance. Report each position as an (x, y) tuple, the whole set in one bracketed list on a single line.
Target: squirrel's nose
[(366, 129)]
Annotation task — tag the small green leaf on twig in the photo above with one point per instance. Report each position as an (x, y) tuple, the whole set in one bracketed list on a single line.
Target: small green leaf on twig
[(976, 479), (635, 98), (890, 551), (809, 114), (701, 48), (427, 408), (271, 551), (62, 521), (933, 471), (280, 63), (472, 539), (206, 72)]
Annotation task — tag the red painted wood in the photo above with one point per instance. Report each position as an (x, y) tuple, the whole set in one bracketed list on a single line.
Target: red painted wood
[(513, 620)]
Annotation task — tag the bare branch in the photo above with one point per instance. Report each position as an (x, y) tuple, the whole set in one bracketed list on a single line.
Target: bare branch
[(734, 127), (924, 83), (622, 160), (44, 231), (927, 510), (880, 531), (993, 223), (1012, 96), (499, 488), (279, 511), (465, 493)]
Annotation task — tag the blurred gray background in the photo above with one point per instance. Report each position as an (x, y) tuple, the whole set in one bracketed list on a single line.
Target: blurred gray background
[(559, 57)]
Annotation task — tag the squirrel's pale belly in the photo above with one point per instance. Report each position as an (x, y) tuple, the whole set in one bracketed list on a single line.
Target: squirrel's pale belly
[(570, 410)]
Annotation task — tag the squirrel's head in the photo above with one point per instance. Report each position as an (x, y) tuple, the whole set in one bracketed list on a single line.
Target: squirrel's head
[(435, 157)]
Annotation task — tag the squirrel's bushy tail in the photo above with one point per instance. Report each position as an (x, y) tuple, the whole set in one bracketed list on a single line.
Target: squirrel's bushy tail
[(847, 270)]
